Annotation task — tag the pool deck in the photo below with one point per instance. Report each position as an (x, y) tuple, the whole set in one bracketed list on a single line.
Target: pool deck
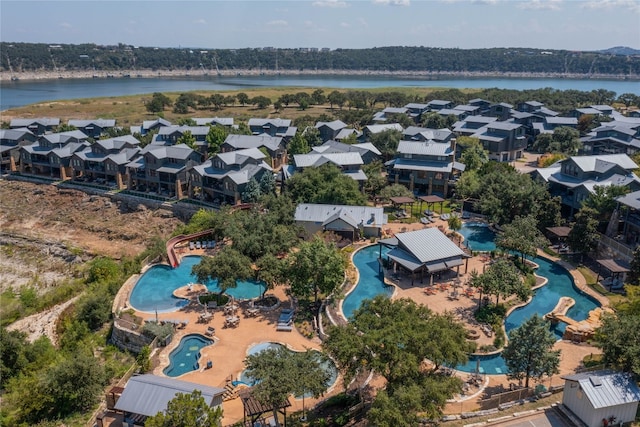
[(231, 344)]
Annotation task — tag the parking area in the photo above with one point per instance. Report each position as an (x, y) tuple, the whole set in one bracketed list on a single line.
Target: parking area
[(549, 418)]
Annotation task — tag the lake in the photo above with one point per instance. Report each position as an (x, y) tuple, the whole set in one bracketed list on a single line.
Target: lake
[(19, 93)]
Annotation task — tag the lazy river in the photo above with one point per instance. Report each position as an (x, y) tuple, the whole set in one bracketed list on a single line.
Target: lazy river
[(560, 283), (154, 289)]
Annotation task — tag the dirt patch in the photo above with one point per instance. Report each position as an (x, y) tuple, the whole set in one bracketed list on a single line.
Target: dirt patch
[(92, 224)]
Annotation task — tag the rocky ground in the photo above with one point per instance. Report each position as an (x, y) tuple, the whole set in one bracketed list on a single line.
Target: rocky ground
[(45, 231)]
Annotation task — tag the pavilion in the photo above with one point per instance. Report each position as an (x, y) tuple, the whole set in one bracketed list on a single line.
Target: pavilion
[(424, 251)]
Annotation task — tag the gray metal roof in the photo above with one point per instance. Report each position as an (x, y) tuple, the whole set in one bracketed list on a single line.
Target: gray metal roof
[(239, 142), (311, 212), (45, 121), (567, 121), (429, 245), (593, 163), (318, 159), (149, 394), (194, 130), (405, 259), (240, 156), (335, 125), (14, 134), (632, 200), (421, 165), (180, 151), (606, 388), (275, 122), (424, 148), (103, 123), (222, 121), (381, 128)]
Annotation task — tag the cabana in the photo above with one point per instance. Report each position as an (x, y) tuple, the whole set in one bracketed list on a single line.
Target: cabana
[(402, 201), (254, 410), (559, 234), (617, 268), (424, 251), (431, 201)]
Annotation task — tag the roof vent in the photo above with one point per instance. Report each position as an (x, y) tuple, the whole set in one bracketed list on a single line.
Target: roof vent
[(595, 381)]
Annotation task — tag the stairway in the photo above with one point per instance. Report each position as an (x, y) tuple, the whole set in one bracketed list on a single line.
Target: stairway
[(230, 392)]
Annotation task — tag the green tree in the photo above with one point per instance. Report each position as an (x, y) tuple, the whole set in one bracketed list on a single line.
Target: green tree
[(394, 338), (102, 270), (94, 309), (633, 276), (261, 102), (503, 279), (268, 183), (473, 154), (336, 98), (215, 137), (310, 376), (316, 267), (395, 190), (603, 201), (187, 139), (386, 142), (227, 266), (583, 237), (318, 97), (75, 384), (280, 372), (270, 271), (521, 235), (455, 223), (325, 184), (375, 180), (298, 145), (242, 98), (563, 140), (433, 121), (13, 359), (143, 359), (619, 338), (529, 353), (251, 193), (187, 410)]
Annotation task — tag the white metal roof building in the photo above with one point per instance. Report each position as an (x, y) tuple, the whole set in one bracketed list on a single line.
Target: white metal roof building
[(340, 218), (601, 395)]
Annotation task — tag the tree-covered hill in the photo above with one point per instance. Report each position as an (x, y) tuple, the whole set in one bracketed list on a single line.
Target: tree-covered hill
[(35, 57)]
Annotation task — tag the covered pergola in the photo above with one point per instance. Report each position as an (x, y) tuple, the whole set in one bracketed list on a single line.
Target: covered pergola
[(254, 410), (616, 267), (424, 251), (559, 234), (431, 201), (402, 201)]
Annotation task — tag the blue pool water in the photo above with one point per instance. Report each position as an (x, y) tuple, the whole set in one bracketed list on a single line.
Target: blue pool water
[(560, 283), (327, 365), (478, 236), (154, 289), (184, 358), (371, 281)]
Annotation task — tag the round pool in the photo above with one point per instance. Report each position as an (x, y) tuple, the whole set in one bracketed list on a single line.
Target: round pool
[(154, 289), (184, 358), (326, 363), (478, 236)]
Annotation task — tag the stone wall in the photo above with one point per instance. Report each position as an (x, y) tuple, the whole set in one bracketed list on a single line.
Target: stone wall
[(126, 338)]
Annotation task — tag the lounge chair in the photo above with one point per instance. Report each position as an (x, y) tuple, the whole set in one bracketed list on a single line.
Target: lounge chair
[(425, 220), (445, 216), (192, 245), (284, 327), (210, 331), (198, 245)]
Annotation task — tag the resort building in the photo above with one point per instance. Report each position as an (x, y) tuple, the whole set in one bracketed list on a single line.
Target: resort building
[(426, 167), (613, 138), (574, 178), (93, 128), (601, 398), (416, 133), (274, 146), (147, 395), (505, 141), (367, 150), (350, 222), (10, 142), (162, 170), (149, 126), (330, 130), (350, 163), (223, 179), (423, 251), (226, 122), (38, 126), (105, 161), (272, 127), (51, 154)]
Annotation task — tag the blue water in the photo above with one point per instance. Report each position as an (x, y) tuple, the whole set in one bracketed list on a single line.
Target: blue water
[(184, 358), (371, 281), (560, 283), (19, 93), (327, 365), (477, 236), (154, 289)]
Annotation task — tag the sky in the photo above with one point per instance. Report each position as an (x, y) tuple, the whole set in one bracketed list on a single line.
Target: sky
[(230, 24)]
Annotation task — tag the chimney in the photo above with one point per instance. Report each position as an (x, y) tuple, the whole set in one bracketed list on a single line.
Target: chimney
[(453, 148)]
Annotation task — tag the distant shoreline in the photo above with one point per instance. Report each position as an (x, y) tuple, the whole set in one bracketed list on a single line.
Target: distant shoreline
[(54, 75)]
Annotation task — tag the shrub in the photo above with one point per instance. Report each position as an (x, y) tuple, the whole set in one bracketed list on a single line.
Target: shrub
[(491, 314)]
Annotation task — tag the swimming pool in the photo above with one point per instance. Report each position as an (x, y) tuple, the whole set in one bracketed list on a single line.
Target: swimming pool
[(370, 283), (184, 358), (327, 364), (478, 236), (560, 283), (154, 289)]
